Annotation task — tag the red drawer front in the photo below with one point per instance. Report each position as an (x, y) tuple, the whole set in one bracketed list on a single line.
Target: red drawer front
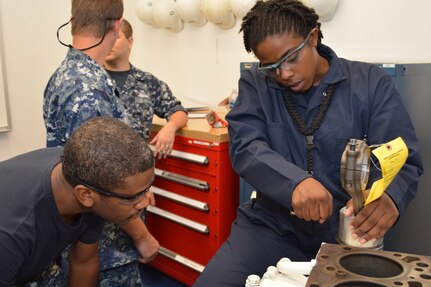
[(221, 198), (202, 217), (205, 149), (195, 230), (186, 190), (195, 247), (216, 229), (175, 270), (191, 244)]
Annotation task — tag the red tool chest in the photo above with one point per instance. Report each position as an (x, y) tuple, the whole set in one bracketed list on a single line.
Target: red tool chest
[(197, 194)]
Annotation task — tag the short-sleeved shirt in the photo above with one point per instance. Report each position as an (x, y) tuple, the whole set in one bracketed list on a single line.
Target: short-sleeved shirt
[(80, 89), (32, 232), (144, 95)]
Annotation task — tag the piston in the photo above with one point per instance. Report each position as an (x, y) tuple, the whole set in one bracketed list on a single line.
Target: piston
[(354, 173)]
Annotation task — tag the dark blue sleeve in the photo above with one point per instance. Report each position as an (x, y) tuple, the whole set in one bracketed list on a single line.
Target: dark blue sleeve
[(389, 119), (11, 260), (166, 103), (252, 155)]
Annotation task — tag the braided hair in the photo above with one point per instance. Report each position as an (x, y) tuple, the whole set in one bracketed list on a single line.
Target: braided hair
[(276, 17)]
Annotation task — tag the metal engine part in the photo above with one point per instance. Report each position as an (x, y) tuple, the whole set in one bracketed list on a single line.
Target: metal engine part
[(346, 266), (354, 171), (345, 234)]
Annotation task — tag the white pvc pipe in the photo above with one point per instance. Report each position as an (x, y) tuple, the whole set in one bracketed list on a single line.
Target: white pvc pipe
[(286, 266)]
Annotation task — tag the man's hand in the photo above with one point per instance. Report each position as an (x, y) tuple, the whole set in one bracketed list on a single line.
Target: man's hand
[(148, 247), (312, 201), (146, 244), (164, 141), (374, 219)]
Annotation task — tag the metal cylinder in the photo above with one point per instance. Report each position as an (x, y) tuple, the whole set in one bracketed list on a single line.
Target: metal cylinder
[(345, 234)]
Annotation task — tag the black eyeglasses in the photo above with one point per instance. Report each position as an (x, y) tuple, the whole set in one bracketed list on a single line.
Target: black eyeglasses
[(127, 197)]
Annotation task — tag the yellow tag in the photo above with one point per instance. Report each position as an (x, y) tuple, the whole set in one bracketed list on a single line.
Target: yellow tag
[(392, 157)]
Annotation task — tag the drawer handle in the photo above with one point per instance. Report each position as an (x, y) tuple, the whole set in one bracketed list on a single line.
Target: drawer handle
[(199, 205), (182, 260), (179, 219), (186, 156), (199, 184)]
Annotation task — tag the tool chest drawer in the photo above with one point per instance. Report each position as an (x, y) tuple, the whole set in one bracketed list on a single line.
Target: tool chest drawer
[(182, 211), (195, 155), (197, 194)]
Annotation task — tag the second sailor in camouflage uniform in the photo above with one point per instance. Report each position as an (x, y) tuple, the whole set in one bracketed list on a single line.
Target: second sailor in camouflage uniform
[(144, 96)]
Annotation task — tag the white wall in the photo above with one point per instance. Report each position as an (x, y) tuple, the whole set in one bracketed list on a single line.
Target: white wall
[(198, 63)]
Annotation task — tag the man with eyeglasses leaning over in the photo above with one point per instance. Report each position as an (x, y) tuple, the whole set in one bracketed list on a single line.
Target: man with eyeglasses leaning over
[(290, 124), (53, 197), (81, 89)]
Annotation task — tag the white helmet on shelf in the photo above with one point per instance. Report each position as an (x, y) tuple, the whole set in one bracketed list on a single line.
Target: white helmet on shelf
[(144, 10), (191, 12), (217, 11), (166, 17), (324, 8), (241, 7), (228, 24)]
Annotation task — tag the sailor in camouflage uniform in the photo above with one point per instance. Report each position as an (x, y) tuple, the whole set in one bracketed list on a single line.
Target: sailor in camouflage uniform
[(80, 89), (143, 96)]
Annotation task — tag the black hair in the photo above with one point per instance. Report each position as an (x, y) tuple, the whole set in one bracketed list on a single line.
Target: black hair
[(103, 152), (276, 17)]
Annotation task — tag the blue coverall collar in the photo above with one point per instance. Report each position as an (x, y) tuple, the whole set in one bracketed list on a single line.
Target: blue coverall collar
[(335, 73)]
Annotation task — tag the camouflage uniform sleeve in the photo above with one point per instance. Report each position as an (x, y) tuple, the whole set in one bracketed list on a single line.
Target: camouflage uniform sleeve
[(166, 103)]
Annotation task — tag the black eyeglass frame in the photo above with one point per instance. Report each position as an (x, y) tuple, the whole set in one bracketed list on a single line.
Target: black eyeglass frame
[(110, 193)]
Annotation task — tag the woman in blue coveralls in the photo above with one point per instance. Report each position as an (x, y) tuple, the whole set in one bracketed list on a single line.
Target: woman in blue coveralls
[(294, 115)]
